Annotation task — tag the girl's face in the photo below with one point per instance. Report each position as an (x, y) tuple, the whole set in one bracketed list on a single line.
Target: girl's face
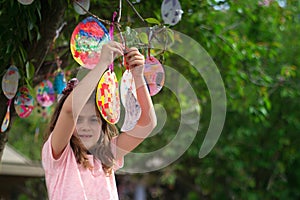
[(88, 127)]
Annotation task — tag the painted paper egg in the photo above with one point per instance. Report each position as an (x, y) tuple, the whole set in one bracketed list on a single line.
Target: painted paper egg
[(59, 82), (45, 93), (42, 112), (84, 3), (87, 40), (154, 75), (133, 111), (24, 102), (107, 97), (171, 11), (127, 82), (10, 82)]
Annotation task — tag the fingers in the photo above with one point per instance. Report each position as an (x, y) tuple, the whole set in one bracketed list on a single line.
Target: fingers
[(135, 63), (129, 53), (114, 47), (110, 51), (134, 57)]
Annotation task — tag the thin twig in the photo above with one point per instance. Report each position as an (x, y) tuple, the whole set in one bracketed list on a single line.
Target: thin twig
[(120, 11), (136, 12), (118, 21), (59, 30), (102, 20)]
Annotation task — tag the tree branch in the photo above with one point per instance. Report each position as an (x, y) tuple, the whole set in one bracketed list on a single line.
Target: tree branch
[(95, 16), (51, 20), (136, 12)]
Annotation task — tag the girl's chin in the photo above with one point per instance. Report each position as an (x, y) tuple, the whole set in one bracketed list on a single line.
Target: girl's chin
[(88, 145)]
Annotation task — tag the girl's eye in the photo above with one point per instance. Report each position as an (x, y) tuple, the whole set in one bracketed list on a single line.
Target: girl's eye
[(94, 119), (79, 120)]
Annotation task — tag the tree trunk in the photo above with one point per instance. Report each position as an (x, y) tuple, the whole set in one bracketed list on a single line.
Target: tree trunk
[(3, 136)]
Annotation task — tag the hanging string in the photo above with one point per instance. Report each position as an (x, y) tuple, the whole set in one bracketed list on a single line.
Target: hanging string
[(9, 102), (149, 41), (58, 63), (125, 62), (111, 34)]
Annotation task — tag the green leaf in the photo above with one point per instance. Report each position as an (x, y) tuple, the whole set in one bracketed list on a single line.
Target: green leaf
[(31, 89), (23, 53), (170, 34), (143, 37), (152, 21), (29, 70)]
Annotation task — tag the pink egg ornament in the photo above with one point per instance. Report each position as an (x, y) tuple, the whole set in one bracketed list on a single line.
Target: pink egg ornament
[(154, 75), (45, 94)]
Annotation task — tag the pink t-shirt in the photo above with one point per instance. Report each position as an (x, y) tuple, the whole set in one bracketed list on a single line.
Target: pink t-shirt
[(65, 179)]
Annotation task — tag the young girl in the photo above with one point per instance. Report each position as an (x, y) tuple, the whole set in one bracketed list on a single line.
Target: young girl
[(81, 150)]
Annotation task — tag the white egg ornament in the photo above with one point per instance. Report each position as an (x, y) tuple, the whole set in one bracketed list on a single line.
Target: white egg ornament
[(10, 82), (171, 12), (84, 3), (25, 2)]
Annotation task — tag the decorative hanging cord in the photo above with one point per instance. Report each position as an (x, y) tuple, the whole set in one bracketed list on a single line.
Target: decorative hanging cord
[(111, 34)]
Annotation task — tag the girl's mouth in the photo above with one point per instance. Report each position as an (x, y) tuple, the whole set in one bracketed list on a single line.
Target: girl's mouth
[(85, 136)]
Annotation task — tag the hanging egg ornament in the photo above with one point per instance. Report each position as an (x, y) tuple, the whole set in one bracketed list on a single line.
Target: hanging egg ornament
[(40, 111), (84, 3), (107, 97), (59, 82), (133, 111), (127, 82), (171, 12), (10, 82), (87, 40), (24, 102), (154, 75), (45, 93), (25, 2)]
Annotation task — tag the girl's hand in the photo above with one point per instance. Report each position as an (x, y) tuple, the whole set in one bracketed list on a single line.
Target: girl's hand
[(135, 61), (110, 51)]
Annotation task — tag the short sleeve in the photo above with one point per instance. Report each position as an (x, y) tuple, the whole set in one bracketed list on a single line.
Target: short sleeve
[(119, 163), (48, 161)]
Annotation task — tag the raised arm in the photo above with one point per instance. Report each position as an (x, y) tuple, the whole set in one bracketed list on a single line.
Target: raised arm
[(127, 141), (74, 103)]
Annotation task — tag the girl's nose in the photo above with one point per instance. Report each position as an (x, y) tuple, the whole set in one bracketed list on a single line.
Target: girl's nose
[(84, 125)]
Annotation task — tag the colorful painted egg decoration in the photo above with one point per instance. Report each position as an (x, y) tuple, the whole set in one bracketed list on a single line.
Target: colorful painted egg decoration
[(107, 97), (45, 94), (87, 40), (24, 102)]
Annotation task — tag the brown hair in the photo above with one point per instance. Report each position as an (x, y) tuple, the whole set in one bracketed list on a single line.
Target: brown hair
[(101, 150)]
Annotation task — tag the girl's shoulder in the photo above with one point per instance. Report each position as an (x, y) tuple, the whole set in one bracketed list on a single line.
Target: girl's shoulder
[(48, 160)]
